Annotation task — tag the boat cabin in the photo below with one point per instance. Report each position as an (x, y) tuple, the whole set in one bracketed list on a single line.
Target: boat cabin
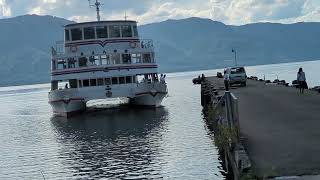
[(100, 30), (102, 43)]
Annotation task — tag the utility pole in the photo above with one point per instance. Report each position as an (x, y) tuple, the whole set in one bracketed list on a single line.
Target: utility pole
[(235, 56)]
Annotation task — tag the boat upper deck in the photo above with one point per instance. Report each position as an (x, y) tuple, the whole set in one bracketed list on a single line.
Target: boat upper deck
[(101, 30)]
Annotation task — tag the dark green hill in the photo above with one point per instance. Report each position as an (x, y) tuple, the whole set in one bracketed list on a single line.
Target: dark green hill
[(187, 44)]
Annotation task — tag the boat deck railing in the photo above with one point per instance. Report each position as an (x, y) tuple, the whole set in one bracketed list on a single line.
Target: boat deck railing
[(59, 48), (146, 44)]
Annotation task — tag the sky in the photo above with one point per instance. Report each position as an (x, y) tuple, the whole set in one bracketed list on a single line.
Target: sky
[(235, 12)]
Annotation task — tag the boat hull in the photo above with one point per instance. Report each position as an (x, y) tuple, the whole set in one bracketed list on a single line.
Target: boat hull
[(149, 99), (66, 102), (68, 107)]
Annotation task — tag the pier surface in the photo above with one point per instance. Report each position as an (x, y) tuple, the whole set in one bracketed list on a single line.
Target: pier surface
[(280, 126)]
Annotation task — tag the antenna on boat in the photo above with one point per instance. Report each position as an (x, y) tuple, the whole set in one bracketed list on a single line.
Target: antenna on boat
[(97, 4), (125, 16)]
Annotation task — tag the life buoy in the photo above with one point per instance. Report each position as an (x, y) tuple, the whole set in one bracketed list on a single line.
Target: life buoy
[(73, 49), (133, 44)]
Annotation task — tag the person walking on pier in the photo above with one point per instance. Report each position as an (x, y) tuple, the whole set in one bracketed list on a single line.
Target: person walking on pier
[(226, 79), (301, 78)]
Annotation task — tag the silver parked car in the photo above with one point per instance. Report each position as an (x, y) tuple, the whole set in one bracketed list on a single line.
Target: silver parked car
[(237, 75)]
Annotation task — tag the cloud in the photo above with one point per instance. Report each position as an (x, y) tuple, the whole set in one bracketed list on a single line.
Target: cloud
[(4, 9), (248, 11), (147, 11), (171, 10)]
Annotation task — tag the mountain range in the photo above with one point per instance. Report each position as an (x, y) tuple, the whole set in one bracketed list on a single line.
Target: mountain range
[(181, 45)]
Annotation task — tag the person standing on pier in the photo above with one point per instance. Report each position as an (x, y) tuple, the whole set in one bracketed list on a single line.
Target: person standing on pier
[(301, 77), (226, 79)]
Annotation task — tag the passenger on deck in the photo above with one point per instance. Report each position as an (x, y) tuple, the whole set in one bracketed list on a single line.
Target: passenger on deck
[(161, 78), (91, 59), (301, 77), (156, 78), (226, 80)]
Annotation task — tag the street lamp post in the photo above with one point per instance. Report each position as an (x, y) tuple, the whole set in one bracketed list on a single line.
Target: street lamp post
[(235, 56)]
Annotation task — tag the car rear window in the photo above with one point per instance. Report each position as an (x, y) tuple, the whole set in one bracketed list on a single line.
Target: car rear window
[(237, 70)]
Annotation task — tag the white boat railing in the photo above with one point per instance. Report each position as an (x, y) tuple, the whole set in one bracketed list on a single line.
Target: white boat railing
[(59, 48), (146, 44)]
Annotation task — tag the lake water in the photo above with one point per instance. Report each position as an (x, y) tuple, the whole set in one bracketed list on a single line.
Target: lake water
[(171, 142)]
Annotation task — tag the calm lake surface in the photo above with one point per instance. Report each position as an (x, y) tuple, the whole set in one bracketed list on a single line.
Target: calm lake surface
[(171, 142)]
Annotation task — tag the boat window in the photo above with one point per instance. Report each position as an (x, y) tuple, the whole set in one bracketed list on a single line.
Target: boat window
[(146, 58), (89, 33), (134, 78), (61, 64), (122, 80), (136, 58), (80, 84), (129, 79), (115, 58), (114, 80), (67, 35), (71, 62), (126, 31), (63, 84), (73, 83), (135, 31), (93, 82), (94, 60), (85, 83), (102, 31), (155, 77), (152, 57), (141, 78), (126, 58), (97, 60), (108, 81), (54, 85), (83, 61), (114, 31), (100, 82), (76, 34), (105, 59), (91, 60)]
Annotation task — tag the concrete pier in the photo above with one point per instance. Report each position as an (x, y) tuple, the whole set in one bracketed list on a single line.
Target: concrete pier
[(280, 128)]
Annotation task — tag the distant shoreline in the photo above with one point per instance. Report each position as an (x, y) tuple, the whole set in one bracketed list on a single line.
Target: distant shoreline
[(199, 71)]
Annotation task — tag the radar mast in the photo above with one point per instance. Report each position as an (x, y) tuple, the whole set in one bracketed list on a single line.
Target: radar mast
[(97, 4)]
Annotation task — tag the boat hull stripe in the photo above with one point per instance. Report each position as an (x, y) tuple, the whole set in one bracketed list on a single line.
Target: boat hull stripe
[(102, 43), (102, 69), (67, 101), (150, 93)]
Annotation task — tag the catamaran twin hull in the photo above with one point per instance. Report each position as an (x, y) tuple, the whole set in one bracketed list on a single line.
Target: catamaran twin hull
[(68, 102)]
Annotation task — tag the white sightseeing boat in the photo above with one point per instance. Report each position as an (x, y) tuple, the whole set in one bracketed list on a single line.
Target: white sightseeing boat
[(103, 59)]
